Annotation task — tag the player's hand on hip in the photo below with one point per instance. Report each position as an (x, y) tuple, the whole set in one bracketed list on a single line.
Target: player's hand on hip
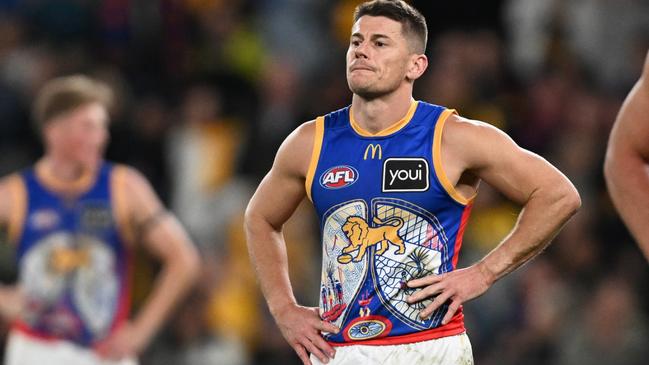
[(301, 327), (125, 342), (455, 287)]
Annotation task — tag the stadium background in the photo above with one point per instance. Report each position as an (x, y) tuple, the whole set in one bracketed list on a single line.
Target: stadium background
[(207, 89)]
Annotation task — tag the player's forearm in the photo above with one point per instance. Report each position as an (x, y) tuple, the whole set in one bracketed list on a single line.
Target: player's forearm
[(177, 276), (11, 302), (268, 254), (628, 185), (541, 219)]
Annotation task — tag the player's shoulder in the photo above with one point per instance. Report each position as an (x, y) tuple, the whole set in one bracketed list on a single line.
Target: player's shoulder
[(294, 155), (9, 182), (643, 81), (12, 192), (128, 177), (301, 139), (645, 70), (475, 142), (134, 194), (461, 129), (334, 119), (306, 129)]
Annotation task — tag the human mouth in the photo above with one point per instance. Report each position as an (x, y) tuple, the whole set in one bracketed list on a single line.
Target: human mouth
[(360, 68)]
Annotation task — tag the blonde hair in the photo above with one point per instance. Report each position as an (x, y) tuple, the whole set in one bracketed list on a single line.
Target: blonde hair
[(64, 94)]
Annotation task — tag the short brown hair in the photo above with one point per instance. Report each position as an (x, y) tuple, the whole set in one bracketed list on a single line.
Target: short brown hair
[(412, 21), (64, 94)]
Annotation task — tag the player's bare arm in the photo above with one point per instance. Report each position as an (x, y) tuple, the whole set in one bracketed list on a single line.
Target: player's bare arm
[(546, 195), (275, 200), (11, 187), (5, 200), (164, 238), (11, 298), (627, 156)]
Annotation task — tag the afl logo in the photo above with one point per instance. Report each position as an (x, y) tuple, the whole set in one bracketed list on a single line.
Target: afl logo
[(338, 177)]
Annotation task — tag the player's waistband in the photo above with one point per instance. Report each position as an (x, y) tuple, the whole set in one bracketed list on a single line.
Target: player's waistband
[(454, 327), (24, 329)]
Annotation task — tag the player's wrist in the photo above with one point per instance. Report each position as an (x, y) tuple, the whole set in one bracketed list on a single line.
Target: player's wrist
[(279, 308), (488, 275), (142, 334)]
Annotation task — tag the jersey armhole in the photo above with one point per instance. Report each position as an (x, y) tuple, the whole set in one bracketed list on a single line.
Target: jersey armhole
[(120, 206), (437, 160), (315, 155), (18, 209)]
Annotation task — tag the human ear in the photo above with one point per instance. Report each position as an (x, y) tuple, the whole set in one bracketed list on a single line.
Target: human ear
[(417, 66)]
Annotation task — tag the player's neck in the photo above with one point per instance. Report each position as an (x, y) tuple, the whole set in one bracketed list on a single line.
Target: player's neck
[(378, 114), (62, 174)]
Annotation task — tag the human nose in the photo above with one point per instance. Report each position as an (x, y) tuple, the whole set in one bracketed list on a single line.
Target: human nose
[(361, 50)]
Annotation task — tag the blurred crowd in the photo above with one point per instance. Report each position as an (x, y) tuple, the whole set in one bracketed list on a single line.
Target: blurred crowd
[(208, 89)]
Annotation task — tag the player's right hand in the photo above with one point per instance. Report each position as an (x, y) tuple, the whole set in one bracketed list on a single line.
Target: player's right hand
[(301, 327)]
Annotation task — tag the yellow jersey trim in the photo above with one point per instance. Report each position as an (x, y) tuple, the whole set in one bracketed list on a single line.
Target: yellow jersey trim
[(389, 130), (18, 208), (78, 186), (437, 160), (315, 155), (120, 204)]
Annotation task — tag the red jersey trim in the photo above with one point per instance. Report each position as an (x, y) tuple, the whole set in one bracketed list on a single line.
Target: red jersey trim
[(454, 327), (460, 234), (124, 304), (26, 330)]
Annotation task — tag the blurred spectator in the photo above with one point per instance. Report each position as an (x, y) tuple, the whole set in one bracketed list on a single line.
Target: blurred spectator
[(203, 151), (610, 329)]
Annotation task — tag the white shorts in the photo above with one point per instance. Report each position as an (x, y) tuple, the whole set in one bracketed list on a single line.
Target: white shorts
[(26, 350), (451, 350)]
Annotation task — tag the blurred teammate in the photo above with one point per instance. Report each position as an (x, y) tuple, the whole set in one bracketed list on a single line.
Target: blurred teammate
[(626, 166), (393, 180), (74, 219)]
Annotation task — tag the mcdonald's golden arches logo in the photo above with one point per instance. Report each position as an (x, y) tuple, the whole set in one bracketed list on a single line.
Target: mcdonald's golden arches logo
[(376, 150)]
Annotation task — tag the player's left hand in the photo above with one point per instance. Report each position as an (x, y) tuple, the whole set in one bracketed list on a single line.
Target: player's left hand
[(457, 286), (127, 341)]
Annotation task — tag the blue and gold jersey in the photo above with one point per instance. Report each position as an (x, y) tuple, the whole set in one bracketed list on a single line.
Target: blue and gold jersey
[(388, 214), (73, 263)]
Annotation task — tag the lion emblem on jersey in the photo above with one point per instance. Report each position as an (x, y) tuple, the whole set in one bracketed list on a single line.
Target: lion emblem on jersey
[(64, 260), (361, 237)]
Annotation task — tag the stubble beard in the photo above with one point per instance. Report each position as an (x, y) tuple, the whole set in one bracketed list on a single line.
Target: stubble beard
[(368, 90)]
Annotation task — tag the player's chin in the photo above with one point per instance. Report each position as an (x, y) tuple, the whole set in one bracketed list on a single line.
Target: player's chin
[(358, 84), (365, 91), (359, 78), (89, 161)]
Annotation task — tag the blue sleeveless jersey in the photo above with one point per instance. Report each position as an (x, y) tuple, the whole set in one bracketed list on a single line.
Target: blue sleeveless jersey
[(388, 214), (73, 264)]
